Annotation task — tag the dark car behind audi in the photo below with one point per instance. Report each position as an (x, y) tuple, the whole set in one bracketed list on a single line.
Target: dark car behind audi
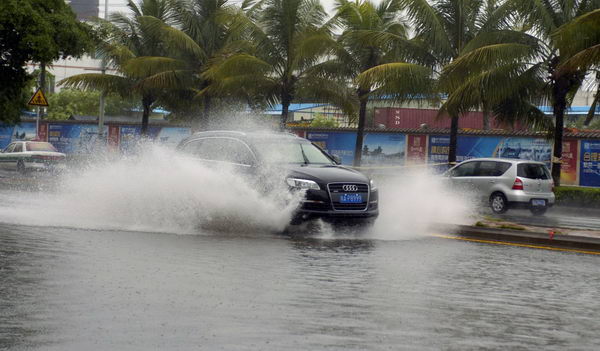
[(332, 192)]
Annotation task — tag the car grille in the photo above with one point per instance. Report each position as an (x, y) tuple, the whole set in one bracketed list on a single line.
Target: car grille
[(337, 189)]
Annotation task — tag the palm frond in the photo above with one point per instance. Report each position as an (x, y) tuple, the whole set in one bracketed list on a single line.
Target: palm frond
[(102, 82), (403, 81), (141, 67)]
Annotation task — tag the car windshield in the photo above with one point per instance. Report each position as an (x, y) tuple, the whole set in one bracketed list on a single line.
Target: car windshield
[(291, 152), (40, 147)]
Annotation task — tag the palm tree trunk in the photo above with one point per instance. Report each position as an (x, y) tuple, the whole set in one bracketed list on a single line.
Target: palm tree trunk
[(592, 111), (559, 107), (360, 132), (146, 103), (486, 119), (205, 118), (453, 139), (285, 106)]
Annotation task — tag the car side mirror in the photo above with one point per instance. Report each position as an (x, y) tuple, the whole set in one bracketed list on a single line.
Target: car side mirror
[(337, 159)]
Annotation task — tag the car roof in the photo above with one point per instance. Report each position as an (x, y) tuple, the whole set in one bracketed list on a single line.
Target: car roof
[(511, 160)]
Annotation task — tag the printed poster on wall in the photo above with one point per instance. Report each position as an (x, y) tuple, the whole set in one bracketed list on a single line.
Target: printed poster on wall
[(568, 169), (438, 148), (171, 136), (74, 138), (23, 131), (535, 149), (340, 144), (416, 149), (383, 150), (129, 136), (589, 173)]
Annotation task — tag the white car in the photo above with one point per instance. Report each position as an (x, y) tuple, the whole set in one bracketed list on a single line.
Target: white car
[(506, 183), (24, 156)]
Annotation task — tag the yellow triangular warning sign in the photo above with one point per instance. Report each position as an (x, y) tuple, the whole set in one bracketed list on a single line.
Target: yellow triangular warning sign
[(38, 99)]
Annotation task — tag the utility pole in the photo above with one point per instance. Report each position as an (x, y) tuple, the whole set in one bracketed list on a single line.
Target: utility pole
[(103, 93), (42, 85)]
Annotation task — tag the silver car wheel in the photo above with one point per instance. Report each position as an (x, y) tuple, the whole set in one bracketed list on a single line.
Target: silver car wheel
[(498, 203)]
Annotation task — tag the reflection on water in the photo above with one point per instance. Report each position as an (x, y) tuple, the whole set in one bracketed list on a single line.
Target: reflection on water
[(67, 289)]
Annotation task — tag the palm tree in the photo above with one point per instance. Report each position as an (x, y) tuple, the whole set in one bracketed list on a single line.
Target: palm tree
[(127, 40), (579, 41), (203, 31), (446, 28), (288, 37), (545, 18), (358, 50)]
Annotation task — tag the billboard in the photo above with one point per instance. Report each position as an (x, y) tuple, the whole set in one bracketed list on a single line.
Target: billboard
[(340, 144), (416, 149), (383, 149), (171, 136), (590, 163), (23, 131), (568, 169), (129, 136), (438, 148), (535, 149), (74, 138)]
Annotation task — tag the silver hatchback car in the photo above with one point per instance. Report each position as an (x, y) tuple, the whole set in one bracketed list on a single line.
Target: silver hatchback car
[(506, 183)]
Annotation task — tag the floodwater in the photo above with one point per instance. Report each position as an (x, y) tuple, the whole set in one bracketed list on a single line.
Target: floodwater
[(74, 289), (157, 253)]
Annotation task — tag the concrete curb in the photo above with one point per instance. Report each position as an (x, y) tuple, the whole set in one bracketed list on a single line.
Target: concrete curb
[(527, 237)]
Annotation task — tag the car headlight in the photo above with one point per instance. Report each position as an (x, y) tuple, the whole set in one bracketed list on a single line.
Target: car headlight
[(372, 183), (302, 183)]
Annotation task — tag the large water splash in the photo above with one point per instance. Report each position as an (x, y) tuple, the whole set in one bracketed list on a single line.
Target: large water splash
[(156, 190)]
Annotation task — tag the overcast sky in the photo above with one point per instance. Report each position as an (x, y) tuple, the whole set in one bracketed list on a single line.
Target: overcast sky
[(121, 5)]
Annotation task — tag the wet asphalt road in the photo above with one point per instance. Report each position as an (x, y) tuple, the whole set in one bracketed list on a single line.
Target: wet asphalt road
[(75, 289), (66, 286)]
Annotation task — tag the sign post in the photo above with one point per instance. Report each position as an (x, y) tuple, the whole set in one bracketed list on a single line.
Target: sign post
[(38, 99)]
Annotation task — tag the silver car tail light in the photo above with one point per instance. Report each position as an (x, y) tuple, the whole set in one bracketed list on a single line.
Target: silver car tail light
[(518, 184)]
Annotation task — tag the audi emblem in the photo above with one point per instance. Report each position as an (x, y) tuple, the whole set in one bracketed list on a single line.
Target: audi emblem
[(350, 187)]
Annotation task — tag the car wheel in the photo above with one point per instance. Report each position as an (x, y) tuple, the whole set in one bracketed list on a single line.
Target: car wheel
[(538, 211), (21, 167), (498, 203)]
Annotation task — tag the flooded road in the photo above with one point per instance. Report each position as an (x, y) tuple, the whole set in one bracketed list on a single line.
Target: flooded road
[(77, 289)]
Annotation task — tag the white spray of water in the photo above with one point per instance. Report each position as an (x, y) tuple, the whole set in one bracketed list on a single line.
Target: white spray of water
[(156, 191), (160, 191), (416, 203)]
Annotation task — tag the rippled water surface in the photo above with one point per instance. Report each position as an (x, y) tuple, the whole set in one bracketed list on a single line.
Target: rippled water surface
[(76, 289)]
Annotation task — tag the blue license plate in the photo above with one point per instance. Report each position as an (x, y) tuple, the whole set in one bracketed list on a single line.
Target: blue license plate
[(537, 202), (351, 199)]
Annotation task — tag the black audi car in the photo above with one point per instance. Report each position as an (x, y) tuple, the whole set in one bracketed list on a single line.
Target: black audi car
[(332, 192)]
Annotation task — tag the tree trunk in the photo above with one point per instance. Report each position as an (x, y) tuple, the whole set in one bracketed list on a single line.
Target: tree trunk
[(360, 132), (285, 106), (146, 103), (486, 119), (592, 111), (43, 77), (453, 139), (205, 122), (559, 107)]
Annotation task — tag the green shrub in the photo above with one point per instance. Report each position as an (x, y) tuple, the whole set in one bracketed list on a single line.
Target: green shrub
[(577, 196)]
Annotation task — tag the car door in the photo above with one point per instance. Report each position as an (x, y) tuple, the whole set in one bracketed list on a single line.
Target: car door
[(463, 174), (487, 177), (6, 155), (17, 154)]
